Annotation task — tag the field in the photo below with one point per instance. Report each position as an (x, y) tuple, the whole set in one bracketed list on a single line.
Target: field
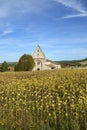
[(44, 100)]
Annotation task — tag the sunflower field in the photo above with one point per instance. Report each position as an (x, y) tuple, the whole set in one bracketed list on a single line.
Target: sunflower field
[(44, 100)]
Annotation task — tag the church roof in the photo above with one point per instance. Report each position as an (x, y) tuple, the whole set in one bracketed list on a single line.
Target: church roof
[(47, 60)]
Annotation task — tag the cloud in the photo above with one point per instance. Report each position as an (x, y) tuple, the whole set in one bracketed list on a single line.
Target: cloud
[(8, 8), (15, 8), (74, 4), (6, 32), (68, 54), (75, 16)]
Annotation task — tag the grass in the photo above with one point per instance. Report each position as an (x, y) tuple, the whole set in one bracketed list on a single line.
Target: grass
[(2, 128)]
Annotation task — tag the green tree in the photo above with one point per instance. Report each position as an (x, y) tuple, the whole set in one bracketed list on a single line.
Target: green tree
[(25, 63), (4, 67)]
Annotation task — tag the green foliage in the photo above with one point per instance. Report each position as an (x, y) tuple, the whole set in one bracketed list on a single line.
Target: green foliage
[(4, 67), (12, 64), (26, 63), (66, 64), (73, 63)]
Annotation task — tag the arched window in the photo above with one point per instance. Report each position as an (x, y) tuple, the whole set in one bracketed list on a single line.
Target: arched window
[(38, 62)]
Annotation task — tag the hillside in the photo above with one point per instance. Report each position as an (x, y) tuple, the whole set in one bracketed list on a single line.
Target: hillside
[(73, 63), (12, 64)]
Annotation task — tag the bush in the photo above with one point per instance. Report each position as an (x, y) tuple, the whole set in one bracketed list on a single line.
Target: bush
[(4, 67), (26, 63)]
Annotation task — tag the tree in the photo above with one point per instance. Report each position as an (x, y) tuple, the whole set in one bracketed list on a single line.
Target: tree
[(25, 63), (4, 67)]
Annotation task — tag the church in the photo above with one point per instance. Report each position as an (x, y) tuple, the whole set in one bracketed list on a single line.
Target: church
[(41, 62)]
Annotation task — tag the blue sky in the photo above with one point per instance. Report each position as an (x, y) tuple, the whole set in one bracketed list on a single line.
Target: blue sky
[(58, 26)]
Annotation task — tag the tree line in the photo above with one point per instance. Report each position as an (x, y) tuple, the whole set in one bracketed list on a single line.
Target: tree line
[(25, 63)]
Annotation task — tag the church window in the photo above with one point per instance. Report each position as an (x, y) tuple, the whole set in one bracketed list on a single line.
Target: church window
[(38, 63)]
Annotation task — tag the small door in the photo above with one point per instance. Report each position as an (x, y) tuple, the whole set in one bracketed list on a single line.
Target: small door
[(38, 69)]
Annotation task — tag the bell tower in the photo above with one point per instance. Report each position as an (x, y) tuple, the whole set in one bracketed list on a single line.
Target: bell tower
[(39, 58)]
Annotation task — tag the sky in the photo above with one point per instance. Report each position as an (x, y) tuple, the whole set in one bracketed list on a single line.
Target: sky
[(58, 26)]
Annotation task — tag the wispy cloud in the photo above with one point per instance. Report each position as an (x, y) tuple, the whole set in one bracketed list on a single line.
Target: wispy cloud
[(7, 31), (75, 5), (68, 54), (75, 16), (15, 8), (8, 8), (12, 11)]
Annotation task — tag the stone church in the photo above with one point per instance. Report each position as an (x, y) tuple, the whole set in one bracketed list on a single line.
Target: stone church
[(41, 63)]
